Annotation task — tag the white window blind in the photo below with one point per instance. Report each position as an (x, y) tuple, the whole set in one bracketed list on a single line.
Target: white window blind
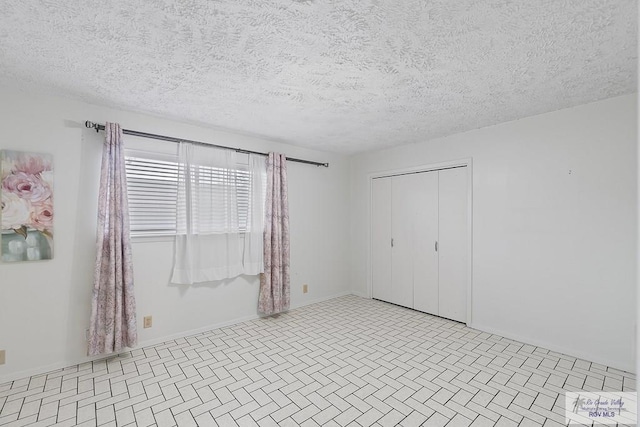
[(152, 185), (223, 197)]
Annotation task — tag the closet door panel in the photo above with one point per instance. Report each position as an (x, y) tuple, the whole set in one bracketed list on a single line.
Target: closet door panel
[(381, 238), (452, 244), (425, 235), (403, 189)]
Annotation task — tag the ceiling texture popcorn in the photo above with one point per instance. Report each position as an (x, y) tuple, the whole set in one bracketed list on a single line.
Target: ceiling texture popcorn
[(337, 75)]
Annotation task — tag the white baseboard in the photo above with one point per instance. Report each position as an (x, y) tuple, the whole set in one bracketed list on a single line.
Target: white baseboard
[(196, 331), (47, 368), (360, 294), (147, 343), (321, 299), (557, 348)]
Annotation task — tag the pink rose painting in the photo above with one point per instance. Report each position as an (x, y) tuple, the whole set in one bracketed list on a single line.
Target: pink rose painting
[(26, 190)]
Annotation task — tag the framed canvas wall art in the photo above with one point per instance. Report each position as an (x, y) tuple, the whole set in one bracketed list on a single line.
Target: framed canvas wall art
[(26, 219)]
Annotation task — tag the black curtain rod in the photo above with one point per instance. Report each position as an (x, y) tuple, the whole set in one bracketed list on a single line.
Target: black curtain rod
[(98, 127)]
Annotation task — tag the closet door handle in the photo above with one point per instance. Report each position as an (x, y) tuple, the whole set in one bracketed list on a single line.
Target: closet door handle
[(436, 246), (392, 242)]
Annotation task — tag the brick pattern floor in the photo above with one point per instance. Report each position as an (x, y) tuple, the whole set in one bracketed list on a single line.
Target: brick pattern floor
[(345, 362)]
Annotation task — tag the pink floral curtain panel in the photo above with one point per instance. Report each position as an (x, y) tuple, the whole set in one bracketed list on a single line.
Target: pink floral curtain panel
[(113, 306), (275, 281)]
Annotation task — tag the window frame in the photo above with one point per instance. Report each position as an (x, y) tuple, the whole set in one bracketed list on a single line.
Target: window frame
[(163, 235), (163, 156)]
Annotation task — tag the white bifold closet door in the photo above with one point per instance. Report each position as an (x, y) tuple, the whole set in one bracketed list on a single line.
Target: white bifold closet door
[(419, 241), (381, 239), (423, 216), (403, 190), (453, 249)]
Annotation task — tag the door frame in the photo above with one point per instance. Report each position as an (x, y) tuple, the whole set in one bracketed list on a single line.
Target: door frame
[(468, 162)]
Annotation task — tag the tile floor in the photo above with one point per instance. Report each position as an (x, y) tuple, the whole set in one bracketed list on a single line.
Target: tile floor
[(347, 361)]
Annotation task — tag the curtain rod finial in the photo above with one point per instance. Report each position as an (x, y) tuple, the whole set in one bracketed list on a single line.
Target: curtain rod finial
[(90, 124)]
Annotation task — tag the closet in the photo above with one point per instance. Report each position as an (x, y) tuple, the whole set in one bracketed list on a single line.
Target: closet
[(419, 247)]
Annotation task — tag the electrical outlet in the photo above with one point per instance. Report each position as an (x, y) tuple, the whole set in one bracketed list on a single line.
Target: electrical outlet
[(2, 357), (305, 288), (148, 321)]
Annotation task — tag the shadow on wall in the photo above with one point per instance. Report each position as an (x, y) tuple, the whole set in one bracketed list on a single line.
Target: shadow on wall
[(84, 251), (253, 281)]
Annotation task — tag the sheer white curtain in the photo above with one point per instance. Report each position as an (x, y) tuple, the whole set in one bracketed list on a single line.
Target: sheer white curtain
[(220, 217)]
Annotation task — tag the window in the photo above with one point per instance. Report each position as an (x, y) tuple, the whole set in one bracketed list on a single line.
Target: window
[(215, 188), (152, 185)]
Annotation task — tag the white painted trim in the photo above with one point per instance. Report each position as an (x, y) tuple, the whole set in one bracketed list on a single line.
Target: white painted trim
[(558, 349), (231, 322), (369, 292), (469, 241), (197, 331), (153, 239), (422, 168), (148, 343), (468, 162), (322, 299), (46, 369), (360, 294)]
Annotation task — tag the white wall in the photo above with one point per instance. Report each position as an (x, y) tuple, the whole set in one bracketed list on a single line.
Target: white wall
[(554, 252), (45, 306)]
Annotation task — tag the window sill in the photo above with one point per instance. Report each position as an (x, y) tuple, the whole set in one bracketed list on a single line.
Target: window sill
[(144, 238), (151, 238)]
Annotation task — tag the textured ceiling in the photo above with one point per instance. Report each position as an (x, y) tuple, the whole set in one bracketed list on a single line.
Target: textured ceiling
[(336, 75)]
